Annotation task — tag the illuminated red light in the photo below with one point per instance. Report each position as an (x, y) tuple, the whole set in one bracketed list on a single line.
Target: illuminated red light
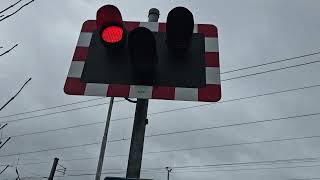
[(112, 34)]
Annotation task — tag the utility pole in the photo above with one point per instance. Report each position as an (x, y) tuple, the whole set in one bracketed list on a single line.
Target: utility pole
[(169, 171), (139, 125), (53, 169), (104, 141)]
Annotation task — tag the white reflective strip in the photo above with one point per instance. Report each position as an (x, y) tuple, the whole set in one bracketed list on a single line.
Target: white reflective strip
[(94, 89), (211, 44), (76, 68), (213, 75), (186, 94), (84, 39), (195, 29), (153, 26), (143, 92)]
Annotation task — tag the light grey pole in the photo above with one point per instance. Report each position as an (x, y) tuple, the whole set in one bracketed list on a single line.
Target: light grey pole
[(169, 171), (53, 169), (104, 141), (139, 125), (153, 15)]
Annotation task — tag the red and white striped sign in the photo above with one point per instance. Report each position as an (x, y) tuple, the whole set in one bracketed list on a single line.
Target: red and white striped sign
[(210, 93)]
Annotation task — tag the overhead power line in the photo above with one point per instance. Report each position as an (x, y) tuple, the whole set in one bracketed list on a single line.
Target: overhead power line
[(198, 171), (19, 9), (238, 99), (236, 124), (176, 109), (221, 165), (163, 151), (167, 111), (177, 132), (9, 7), (250, 169), (233, 169), (224, 165), (58, 112), (56, 148), (273, 70), (228, 166), (53, 107), (272, 62), (184, 169)]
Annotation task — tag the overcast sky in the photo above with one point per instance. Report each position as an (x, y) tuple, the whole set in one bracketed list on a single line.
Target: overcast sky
[(251, 32)]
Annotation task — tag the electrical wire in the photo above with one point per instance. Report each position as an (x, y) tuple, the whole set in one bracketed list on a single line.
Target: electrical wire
[(164, 151), (26, 4), (249, 67), (232, 169), (176, 109), (175, 132), (153, 135), (272, 62), (287, 67), (185, 169), (297, 57), (145, 171), (224, 165), (9, 7), (53, 107), (58, 112), (57, 148), (273, 70), (251, 169)]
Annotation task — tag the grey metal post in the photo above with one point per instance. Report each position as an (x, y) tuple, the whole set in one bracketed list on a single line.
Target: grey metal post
[(139, 125), (169, 171), (104, 141), (53, 169), (154, 14)]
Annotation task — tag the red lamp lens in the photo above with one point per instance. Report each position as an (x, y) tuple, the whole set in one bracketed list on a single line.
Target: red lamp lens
[(112, 34)]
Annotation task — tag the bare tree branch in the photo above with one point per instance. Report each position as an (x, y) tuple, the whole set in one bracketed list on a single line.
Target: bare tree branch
[(3, 127), (5, 142), (11, 6), (15, 94), (18, 176), (4, 169), (8, 50), (26, 4)]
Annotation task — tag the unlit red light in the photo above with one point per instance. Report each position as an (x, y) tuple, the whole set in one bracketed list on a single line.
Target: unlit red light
[(112, 34)]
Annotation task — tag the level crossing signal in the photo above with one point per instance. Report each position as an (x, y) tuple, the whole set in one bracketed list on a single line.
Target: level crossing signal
[(176, 60)]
